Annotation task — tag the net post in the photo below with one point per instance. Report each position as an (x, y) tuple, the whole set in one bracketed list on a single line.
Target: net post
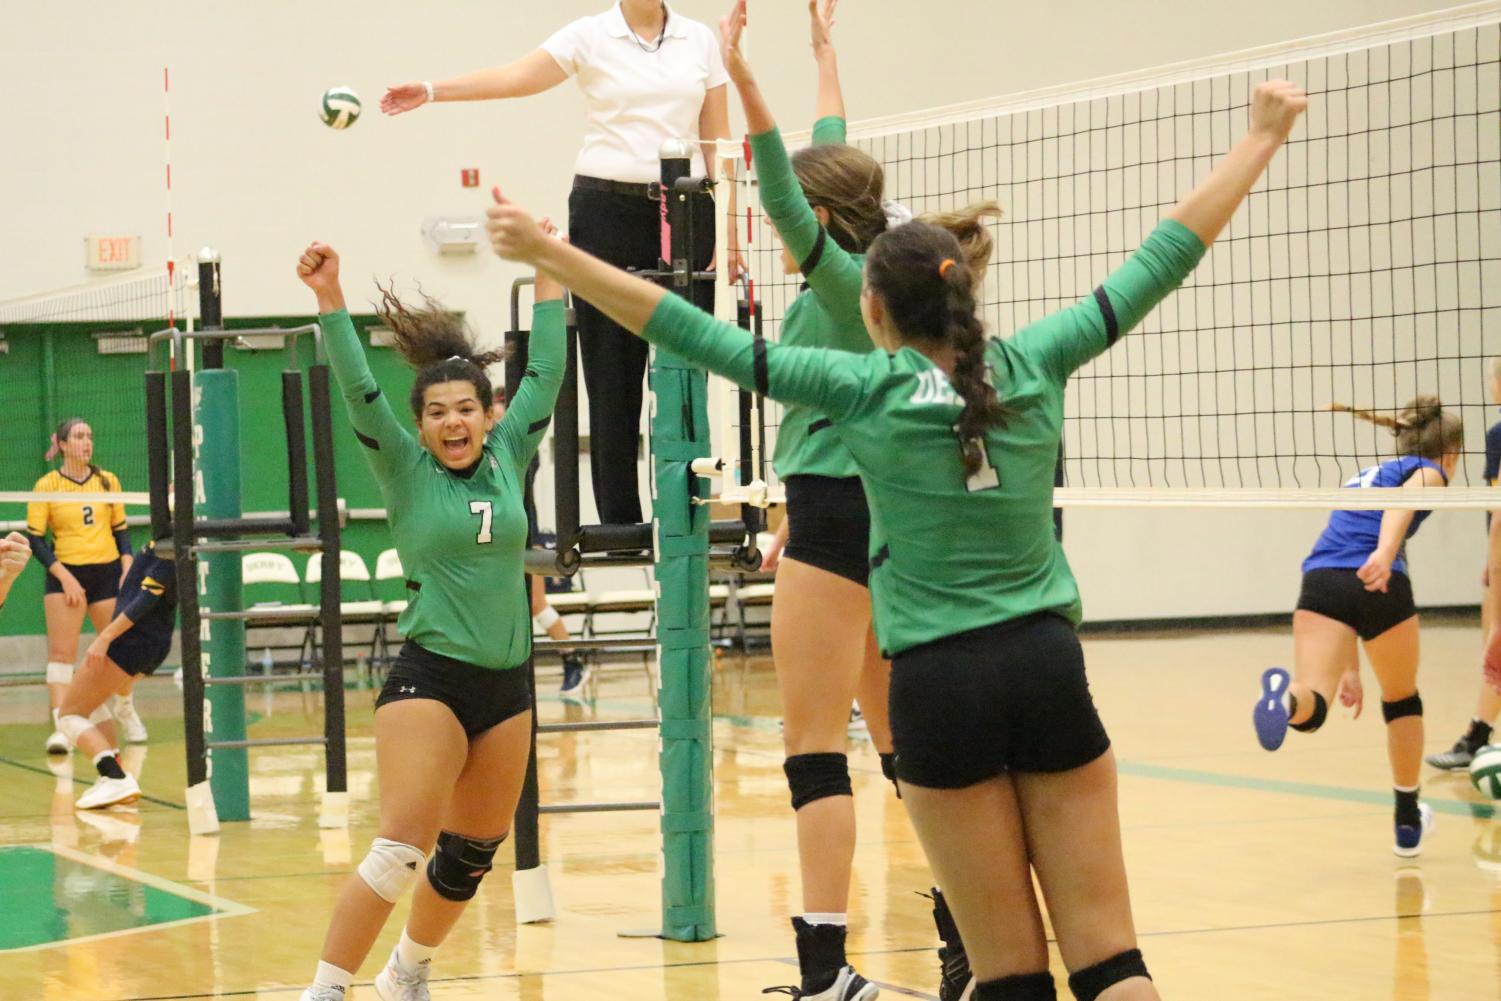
[(332, 618), (565, 445), (217, 479), (158, 453), (292, 419), (201, 816), (210, 306), (682, 533)]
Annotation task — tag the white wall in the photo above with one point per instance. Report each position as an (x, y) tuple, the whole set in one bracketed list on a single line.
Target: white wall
[(256, 174)]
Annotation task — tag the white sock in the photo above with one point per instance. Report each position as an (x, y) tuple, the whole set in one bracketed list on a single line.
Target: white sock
[(826, 918), (126, 702), (329, 975), (413, 955)]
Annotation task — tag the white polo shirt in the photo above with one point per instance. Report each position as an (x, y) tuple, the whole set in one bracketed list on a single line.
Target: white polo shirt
[(637, 99)]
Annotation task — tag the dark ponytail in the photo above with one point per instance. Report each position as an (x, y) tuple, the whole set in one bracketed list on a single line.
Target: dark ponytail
[(435, 341), (920, 274)]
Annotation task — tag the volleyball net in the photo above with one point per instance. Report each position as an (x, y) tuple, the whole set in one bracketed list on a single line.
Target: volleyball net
[(1364, 269), (82, 352)]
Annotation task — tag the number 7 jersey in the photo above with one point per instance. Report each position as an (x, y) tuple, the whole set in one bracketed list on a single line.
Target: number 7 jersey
[(460, 537)]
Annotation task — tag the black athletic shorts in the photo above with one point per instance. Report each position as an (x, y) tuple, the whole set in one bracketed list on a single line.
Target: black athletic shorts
[(828, 525), (1339, 595), (137, 654), (1011, 697), (480, 697), (100, 581)]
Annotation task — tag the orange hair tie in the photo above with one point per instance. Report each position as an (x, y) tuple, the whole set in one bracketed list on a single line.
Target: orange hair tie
[(943, 269)]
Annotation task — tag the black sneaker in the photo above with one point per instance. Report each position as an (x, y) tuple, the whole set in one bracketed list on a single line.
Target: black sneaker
[(821, 947), (956, 983), (575, 675), (1452, 760)]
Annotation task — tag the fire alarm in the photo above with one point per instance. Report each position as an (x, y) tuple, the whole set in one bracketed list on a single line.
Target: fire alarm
[(470, 177)]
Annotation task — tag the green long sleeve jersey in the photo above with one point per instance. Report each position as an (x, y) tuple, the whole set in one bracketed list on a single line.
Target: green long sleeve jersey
[(460, 537), (826, 314), (950, 552)]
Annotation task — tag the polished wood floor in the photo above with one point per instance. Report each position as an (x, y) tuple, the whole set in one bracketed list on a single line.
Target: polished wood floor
[(1254, 876)]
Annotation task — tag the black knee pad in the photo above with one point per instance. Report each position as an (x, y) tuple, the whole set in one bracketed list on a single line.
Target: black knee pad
[(1410, 706), (1320, 713), (459, 863), (813, 777), (888, 769), (1092, 981), (1022, 987)]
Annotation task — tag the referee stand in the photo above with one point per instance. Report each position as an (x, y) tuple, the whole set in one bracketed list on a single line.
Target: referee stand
[(193, 444), (682, 544)]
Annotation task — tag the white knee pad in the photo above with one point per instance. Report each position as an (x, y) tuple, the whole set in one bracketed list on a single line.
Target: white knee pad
[(391, 868), (545, 618), (73, 727), (58, 673)]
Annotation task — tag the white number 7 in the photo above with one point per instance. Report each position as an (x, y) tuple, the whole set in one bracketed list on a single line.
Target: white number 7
[(482, 508)]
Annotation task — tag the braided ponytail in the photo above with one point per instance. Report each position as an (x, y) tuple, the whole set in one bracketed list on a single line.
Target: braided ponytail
[(920, 273), (1422, 428), (435, 341)]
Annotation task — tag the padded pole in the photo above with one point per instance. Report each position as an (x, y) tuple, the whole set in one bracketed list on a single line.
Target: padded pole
[(158, 453), (292, 421), (217, 418), (187, 579), (680, 424), (330, 592)]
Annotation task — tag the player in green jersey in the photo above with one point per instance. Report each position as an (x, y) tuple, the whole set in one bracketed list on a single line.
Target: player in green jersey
[(825, 202), (453, 721), (1005, 768)]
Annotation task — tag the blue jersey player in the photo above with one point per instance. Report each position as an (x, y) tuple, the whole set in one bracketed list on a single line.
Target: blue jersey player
[(134, 644), (1355, 586)]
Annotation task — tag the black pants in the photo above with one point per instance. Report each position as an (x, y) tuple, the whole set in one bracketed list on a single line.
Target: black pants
[(624, 231)]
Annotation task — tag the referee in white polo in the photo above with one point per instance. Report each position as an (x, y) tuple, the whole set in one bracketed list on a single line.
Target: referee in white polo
[(648, 74)]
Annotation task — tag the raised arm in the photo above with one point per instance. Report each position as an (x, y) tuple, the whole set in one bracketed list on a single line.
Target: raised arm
[(826, 380), (830, 271), (533, 73), (1064, 341), (1275, 106), (520, 431), (388, 445), (830, 103)]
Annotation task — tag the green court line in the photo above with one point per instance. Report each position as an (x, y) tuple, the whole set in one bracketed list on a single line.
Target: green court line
[(82, 782), (1369, 797)]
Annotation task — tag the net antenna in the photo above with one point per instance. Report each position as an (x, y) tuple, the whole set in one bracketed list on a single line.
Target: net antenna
[(1364, 269)]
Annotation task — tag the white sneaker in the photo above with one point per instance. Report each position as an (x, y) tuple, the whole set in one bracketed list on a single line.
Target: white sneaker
[(57, 743), (847, 986), (317, 993), (109, 792), (132, 729), (857, 722), (394, 983)]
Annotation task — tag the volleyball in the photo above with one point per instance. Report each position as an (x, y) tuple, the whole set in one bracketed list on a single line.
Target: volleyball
[(1485, 771), (340, 107)]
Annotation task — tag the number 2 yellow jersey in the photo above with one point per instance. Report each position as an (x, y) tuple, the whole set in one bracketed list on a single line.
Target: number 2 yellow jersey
[(82, 532)]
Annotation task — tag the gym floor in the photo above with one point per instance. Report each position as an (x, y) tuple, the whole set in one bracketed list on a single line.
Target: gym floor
[(1254, 876)]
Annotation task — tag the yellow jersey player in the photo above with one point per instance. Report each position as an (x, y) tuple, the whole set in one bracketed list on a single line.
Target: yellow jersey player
[(87, 556)]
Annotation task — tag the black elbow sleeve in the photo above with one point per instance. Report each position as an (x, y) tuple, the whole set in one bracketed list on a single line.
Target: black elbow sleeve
[(41, 550)]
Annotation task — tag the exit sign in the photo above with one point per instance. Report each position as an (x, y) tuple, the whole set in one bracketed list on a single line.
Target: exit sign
[(112, 253)]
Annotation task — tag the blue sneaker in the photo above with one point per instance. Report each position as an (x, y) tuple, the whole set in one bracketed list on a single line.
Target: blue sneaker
[(1271, 716), (1409, 842), (575, 675)]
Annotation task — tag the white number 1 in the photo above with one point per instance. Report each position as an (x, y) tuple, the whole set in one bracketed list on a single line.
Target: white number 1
[(482, 508)]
